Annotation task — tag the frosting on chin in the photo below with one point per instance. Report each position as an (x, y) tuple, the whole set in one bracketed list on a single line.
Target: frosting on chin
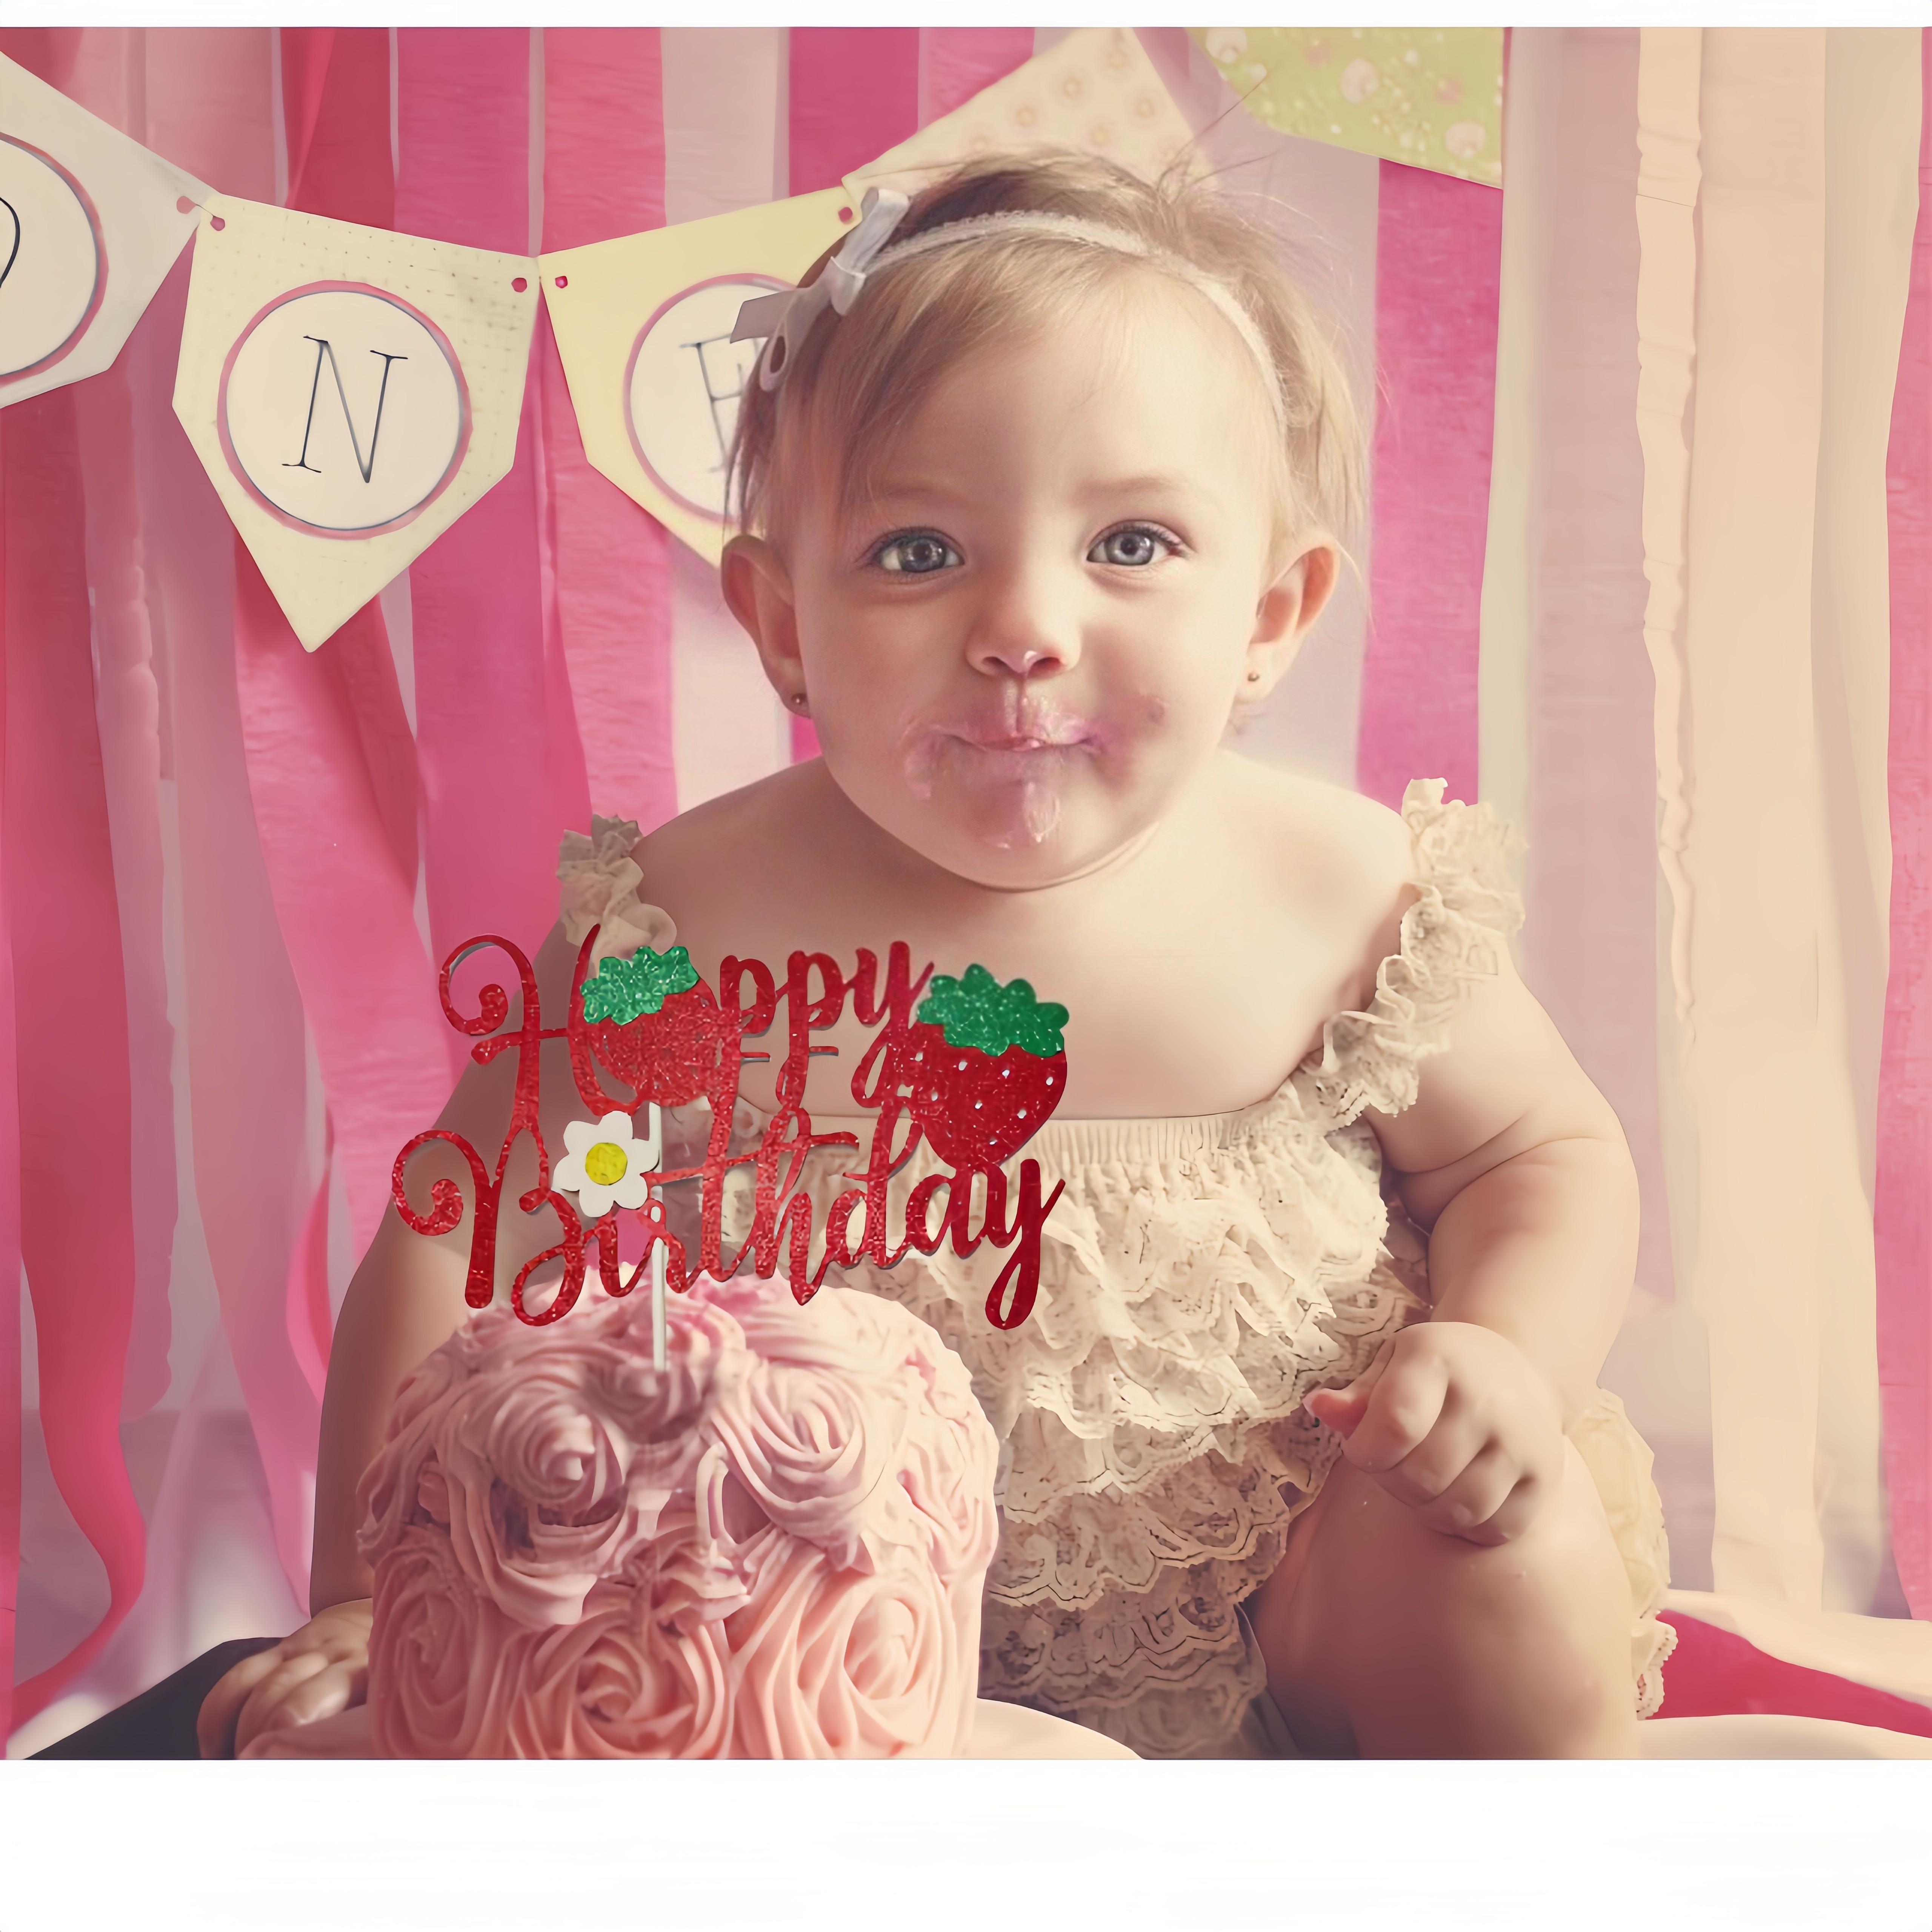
[(774, 1549)]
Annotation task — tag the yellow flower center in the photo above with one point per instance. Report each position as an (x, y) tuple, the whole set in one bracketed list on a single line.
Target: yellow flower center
[(605, 1163)]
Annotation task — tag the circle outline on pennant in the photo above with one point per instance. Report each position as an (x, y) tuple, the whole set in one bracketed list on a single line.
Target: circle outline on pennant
[(284, 517), (749, 278), (87, 208)]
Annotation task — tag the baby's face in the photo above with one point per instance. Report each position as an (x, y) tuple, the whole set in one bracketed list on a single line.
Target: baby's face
[(1023, 649)]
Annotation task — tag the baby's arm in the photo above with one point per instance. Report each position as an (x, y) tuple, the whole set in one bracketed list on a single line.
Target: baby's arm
[(406, 1298), (1517, 1167)]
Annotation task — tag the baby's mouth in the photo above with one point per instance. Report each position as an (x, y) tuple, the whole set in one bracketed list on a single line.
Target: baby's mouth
[(1009, 770)]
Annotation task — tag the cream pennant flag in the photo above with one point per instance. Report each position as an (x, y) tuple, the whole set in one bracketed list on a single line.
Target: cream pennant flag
[(90, 224), (351, 392), (1095, 91), (643, 325)]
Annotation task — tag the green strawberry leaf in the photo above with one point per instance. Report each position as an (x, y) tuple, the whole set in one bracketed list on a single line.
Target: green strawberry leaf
[(975, 1010), (623, 988)]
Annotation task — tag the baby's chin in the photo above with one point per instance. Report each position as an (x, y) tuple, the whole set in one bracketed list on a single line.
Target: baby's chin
[(1029, 834)]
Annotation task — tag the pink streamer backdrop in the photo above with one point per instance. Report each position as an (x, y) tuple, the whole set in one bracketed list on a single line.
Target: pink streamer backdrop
[(304, 812)]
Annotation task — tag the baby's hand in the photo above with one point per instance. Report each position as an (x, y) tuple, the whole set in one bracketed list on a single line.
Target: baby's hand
[(1455, 1421), (313, 1672)]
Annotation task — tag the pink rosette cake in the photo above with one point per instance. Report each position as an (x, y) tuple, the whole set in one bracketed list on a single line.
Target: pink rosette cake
[(775, 1548)]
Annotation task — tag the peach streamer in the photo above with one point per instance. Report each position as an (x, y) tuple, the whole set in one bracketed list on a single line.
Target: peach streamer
[(1903, 1213)]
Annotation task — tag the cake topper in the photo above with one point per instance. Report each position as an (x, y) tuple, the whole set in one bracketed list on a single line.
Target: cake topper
[(974, 1069)]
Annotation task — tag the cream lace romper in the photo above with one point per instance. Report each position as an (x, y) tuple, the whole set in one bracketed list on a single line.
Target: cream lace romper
[(1198, 1277)]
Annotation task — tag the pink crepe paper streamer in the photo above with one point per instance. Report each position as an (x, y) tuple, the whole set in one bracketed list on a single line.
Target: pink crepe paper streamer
[(345, 902), (854, 92), (76, 1233), (11, 1420), (335, 109), (502, 768), (1438, 252), (955, 63), (609, 610), (102, 78), (1902, 1215)]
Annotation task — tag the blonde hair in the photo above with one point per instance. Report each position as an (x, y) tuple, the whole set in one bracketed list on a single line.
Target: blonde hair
[(856, 381)]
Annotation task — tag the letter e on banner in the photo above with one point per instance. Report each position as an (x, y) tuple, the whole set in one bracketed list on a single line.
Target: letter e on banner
[(682, 389), (644, 324)]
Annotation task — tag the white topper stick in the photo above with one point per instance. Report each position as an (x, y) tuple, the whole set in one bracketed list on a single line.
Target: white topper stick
[(659, 1340)]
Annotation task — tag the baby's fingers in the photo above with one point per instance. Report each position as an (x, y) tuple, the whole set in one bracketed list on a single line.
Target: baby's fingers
[(1403, 1407), (1471, 1506), (312, 1687), (1342, 1408), (214, 1722)]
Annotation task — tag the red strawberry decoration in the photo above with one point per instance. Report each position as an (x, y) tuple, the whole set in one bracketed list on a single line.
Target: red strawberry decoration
[(655, 1024), (984, 1066)]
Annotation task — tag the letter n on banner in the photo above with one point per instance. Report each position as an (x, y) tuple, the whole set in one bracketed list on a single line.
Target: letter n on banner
[(351, 392)]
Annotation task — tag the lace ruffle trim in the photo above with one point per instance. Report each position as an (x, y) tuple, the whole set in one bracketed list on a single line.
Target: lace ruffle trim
[(600, 880), (1466, 906)]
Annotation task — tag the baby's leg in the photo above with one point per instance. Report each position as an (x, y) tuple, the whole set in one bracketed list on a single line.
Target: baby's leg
[(1384, 1638)]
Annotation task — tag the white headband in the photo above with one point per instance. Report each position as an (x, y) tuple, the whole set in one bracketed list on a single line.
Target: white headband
[(785, 319)]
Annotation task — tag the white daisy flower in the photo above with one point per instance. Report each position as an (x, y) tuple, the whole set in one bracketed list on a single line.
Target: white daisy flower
[(604, 1163)]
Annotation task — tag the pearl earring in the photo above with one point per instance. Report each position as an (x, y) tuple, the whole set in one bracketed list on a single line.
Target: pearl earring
[(796, 700), (1254, 677)]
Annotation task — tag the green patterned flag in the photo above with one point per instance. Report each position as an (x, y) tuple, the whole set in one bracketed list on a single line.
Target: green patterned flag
[(1432, 97)]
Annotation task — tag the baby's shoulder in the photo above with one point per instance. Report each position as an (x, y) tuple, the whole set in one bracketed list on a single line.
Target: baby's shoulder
[(1330, 846), (735, 843)]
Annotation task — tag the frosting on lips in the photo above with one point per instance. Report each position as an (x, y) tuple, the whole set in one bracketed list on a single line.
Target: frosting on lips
[(774, 1549), (1011, 766)]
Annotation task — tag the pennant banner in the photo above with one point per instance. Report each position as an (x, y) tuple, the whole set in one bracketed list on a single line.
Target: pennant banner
[(90, 223), (351, 392)]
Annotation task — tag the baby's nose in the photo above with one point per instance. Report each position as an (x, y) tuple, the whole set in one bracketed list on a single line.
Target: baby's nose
[(1024, 630)]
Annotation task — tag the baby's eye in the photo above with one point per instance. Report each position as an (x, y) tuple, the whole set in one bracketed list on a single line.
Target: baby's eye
[(916, 554), (1138, 545)]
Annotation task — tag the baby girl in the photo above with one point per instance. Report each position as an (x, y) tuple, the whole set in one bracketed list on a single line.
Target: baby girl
[(1301, 1446)]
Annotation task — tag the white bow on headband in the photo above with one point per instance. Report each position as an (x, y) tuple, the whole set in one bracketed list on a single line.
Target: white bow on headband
[(786, 318)]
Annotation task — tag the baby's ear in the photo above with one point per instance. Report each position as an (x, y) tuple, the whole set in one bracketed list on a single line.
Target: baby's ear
[(757, 590), (1298, 592), (751, 572)]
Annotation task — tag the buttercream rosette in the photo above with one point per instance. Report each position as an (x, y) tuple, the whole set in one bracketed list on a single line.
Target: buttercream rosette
[(775, 1547)]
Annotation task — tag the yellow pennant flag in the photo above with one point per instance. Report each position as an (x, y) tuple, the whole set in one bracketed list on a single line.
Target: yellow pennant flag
[(643, 325)]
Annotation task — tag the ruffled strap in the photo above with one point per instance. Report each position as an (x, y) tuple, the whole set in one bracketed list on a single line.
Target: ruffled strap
[(1466, 907), (600, 882)]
